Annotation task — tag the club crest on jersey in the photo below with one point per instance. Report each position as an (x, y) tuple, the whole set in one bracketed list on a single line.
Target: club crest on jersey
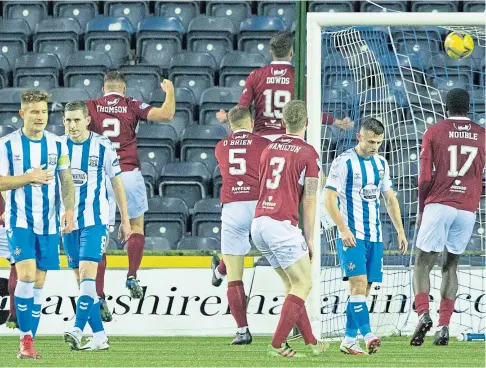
[(115, 163), (351, 266), (52, 159), (93, 161)]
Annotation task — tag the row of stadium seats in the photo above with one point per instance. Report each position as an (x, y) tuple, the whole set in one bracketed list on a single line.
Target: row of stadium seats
[(235, 11)]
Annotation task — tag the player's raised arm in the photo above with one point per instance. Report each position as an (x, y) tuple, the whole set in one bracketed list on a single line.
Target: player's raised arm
[(67, 190), (167, 110)]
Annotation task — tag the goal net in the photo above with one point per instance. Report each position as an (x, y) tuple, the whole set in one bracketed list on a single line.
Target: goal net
[(395, 70)]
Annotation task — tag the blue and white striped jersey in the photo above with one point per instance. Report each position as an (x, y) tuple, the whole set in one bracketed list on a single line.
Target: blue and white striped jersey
[(34, 207), (92, 162), (359, 183)]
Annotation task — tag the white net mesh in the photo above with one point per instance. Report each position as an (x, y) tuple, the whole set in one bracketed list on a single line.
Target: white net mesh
[(399, 75)]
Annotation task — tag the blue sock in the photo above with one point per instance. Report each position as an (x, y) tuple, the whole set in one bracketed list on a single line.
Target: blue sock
[(36, 310), (95, 317), (87, 294), (351, 325), (360, 313), (24, 300)]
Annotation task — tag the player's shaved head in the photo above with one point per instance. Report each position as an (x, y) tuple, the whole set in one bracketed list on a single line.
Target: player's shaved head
[(295, 116), (239, 117), (281, 45), (114, 81), (457, 102), (32, 96), (373, 125), (77, 105)]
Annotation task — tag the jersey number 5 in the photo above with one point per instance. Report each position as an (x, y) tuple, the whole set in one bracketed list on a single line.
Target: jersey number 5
[(465, 150), (239, 163), (277, 99), (114, 132), (279, 162)]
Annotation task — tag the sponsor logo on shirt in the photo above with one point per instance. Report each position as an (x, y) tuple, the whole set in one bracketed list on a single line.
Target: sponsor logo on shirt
[(369, 192), (80, 178), (351, 266), (463, 128), (114, 102), (456, 187), (268, 204), (17, 158), (93, 161), (240, 188)]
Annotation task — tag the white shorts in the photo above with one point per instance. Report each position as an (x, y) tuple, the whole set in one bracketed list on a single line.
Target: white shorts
[(236, 218), (137, 201), (280, 242), (272, 137), (4, 249), (445, 226)]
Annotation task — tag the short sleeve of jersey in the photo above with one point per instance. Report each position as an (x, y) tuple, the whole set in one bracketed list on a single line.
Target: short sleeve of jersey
[(386, 184), (112, 164), (4, 164), (141, 109), (426, 151), (337, 175), (63, 162), (313, 166), (247, 94)]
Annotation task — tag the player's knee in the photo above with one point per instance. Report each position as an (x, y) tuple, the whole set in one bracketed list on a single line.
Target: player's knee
[(303, 286), (137, 225), (87, 270), (40, 278), (358, 285)]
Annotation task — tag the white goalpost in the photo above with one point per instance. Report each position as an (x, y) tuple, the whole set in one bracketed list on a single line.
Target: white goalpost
[(396, 72)]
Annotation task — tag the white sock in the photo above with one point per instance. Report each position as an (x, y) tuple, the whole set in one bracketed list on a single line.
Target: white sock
[(23, 334), (242, 330), (349, 340), (77, 331), (218, 275), (100, 335), (369, 336)]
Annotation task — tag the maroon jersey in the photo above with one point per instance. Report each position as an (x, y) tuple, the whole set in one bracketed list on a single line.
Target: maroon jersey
[(238, 158), (452, 164), (116, 117), (284, 165)]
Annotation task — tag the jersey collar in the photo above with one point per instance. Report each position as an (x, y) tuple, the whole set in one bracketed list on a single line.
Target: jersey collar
[(280, 62), (458, 118), (241, 131), (113, 93), (293, 136)]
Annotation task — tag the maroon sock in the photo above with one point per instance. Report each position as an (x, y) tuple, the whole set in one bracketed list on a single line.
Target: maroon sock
[(291, 312), (222, 268), (136, 243), (422, 303), (100, 277), (237, 302), (305, 329), (12, 283), (445, 311)]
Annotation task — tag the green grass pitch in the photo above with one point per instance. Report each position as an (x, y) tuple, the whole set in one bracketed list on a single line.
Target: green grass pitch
[(215, 352)]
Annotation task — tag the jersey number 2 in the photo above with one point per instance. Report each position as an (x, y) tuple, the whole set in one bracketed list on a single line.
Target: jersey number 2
[(277, 99), (279, 162), (113, 132), (465, 150), (237, 164)]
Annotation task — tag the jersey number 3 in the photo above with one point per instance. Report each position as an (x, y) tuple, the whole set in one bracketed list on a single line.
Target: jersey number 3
[(113, 132), (278, 163), (465, 150)]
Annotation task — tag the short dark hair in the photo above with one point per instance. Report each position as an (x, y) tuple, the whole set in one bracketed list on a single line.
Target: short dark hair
[(295, 116), (281, 44), (457, 102), (373, 125), (77, 105), (238, 115), (115, 76)]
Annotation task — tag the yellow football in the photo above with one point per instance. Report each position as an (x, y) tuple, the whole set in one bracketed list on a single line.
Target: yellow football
[(459, 46)]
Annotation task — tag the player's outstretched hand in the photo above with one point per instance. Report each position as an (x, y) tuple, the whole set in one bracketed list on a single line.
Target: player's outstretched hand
[(222, 116), (167, 85), (67, 222), (402, 242), (124, 231), (41, 176), (348, 238)]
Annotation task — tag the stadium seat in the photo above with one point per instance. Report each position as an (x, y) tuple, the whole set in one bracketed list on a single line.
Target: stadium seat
[(235, 11), (149, 173), (381, 6), (332, 6), (30, 11), (341, 78), (82, 11), (4, 71), (14, 34), (158, 40), (59, 36), (436, 6), (156, 144), (255, 34), (198, 243), (422, 47), (11, 118), (61, 96), (236, 66), (37, 70), (217, 182), (86, 69), (111, 35), (475, 244), (56, 129), (211, 35), (193, 70), (184, 10), (134, 93), (6, 129), (477, 6), (142, 77), (206, 220), (157, 244), (167, 218), (214, 99), (198, 144), (427, 113), (185, 180), (134, 11), (284, 9)]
